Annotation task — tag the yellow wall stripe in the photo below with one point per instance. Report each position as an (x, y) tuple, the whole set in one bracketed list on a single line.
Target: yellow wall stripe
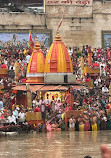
[(47, 61), (40, 62), (61, 59)]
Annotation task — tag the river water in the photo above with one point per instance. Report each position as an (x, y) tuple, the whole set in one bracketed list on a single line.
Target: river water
[(53, 145)]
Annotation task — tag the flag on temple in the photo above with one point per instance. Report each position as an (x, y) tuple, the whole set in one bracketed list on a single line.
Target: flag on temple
[(30, 43), (60, 23)]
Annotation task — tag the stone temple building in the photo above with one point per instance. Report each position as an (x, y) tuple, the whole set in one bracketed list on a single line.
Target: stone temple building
[(85, 22)]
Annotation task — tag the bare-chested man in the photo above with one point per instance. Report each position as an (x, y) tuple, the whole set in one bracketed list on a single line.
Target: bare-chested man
[(94, 122), (81, 123)]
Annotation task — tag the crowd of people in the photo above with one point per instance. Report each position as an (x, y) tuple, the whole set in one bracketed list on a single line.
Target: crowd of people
[(94, 102)]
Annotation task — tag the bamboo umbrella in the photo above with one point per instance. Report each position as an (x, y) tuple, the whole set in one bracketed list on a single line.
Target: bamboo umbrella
[(16, 65), (82, 67), (89, 56), (29, 97)]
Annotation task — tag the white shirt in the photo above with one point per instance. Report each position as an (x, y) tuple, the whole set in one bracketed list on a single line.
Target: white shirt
[(1, 81), (11, 119), (95, 53), (38, 104), (21, 117), (28, 58), (96, 82), (104, 118), (105, 90), (70, 52), (34, 103), (102, 64), (47, 101), (99, 80), (1, 105), (11, 67), (102, 71), (71, 123), (5, 62), (15, 113)]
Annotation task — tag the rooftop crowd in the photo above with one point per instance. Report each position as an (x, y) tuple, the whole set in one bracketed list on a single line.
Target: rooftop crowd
[(94, 102)]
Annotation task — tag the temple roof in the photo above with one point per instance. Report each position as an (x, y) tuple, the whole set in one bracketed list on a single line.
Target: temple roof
[(58, 59), (37, 61)]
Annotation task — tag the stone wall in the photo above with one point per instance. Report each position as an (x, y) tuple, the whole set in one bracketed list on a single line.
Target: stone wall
[(81, 24), (22, 21)]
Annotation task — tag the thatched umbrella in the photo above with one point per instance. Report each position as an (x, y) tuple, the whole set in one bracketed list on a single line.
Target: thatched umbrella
[(16, 65), (82, 67), (89, 56), (29, 97)]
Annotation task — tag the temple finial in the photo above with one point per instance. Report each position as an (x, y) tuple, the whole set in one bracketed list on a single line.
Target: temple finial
[(36, 39), (37, 44)]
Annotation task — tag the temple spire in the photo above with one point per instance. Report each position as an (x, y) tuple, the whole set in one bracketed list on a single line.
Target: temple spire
[(37, 44)]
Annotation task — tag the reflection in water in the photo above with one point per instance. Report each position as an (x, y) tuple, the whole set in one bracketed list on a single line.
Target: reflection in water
[(94, 136), (57, 145)]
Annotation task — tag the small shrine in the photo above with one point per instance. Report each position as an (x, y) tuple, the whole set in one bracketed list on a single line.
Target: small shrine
[(35, 69)]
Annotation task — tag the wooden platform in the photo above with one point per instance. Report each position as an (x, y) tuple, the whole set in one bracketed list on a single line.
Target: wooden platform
[(3, 71), (34, 118), (91, 70)]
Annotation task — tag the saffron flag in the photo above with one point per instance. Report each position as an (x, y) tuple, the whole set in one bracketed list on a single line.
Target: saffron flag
[(26, 51), (60, 21), (30, 43)]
